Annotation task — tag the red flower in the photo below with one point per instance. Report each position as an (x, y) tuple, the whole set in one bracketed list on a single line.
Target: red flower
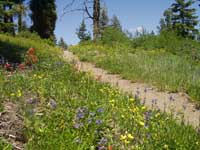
[(21, 66), (31, 51), (110, 147), (7, 65)]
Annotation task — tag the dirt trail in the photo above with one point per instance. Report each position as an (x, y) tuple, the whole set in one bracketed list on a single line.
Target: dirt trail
[(178, 103)]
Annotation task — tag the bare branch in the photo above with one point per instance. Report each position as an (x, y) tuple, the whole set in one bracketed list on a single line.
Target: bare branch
[(69, 5), (87, 11)]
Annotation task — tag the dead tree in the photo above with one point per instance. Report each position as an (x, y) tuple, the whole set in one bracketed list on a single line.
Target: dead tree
[(92, 9)]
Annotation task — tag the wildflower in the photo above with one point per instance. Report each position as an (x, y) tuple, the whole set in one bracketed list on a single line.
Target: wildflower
[(143, 107), (157, 115), (110, 147), (31, 51), (32, 101), (130, 136), (19, 93), (78, 141), (141, 123), (21, 66), (39, 77), (132, 100), (12, 94), (123, 137), (53, 104), (112, 101), (100, 110), (103, 141), (126, 141), (78, 125), (165, 146), (99, 122)]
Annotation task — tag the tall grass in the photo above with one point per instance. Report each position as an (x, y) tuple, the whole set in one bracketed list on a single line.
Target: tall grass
[(157, 67)]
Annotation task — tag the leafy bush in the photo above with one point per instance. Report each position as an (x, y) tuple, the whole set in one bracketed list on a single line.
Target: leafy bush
[(170, 42), (112, 36)]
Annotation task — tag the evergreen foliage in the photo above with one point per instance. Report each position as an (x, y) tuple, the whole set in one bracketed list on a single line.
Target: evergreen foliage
[(43, 17), (104, 19), (115, 23), (7, 11), (183, 18), (62, 43), (82, 33)]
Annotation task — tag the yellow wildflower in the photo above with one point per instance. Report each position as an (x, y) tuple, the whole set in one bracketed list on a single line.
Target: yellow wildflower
[(19, 93), (12, 94), (132, 100), (143, 108), (130, 136), (141, 123), (126, 141), (123, 137), (165, 146), (112, 101), (157, 115)]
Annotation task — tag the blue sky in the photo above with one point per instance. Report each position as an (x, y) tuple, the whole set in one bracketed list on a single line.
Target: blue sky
[(132, 14)]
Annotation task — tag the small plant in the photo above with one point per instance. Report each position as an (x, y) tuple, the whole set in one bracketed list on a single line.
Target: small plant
[(30, 57)]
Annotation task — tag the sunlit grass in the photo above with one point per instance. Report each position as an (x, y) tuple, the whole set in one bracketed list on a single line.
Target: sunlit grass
[(165, 70)]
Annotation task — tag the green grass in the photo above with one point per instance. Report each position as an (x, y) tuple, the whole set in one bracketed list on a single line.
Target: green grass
[(87, 114), (159, 68), (4, 145)]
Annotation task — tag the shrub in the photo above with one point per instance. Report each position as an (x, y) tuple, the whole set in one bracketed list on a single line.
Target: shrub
[(112, 36)]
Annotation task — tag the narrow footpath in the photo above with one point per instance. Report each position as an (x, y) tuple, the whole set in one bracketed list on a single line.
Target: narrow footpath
[(176, 103)]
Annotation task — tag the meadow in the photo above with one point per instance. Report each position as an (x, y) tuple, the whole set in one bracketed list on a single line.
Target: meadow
[(164, 61), (66, 109)]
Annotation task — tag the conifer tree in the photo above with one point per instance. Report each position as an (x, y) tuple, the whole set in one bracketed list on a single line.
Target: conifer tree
[(20, 12), (7, 13), (115, 23), (43, 17), (82, 33), (104, 19), (62, 43), (184, 19)]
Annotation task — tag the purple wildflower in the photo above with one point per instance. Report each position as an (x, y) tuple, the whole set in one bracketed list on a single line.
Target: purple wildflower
[(53, 104), (99, 122), (78, 125), (80, 115), (103, 141), (100, 110)]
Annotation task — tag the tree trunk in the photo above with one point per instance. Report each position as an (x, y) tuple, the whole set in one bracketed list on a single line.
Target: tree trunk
[(96, 18), (20, 22)]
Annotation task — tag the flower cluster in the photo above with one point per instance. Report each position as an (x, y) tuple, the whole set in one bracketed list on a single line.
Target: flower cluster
[(31, 58)]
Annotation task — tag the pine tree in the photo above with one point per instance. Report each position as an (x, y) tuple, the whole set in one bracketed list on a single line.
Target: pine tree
[(115, 23), (184, 19), (7, 13), (166, 22), (104, 19), (62, 43), (82, 33), (21, 11), (43, 17)]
